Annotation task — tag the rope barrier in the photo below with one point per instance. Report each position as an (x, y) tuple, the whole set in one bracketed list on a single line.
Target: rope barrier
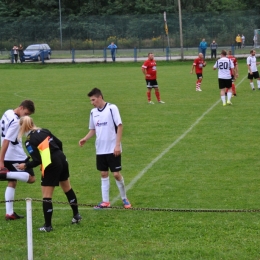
[(144, 209)]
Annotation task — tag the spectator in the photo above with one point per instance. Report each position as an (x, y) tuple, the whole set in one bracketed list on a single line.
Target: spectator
[(21, 54), (255, 41), (15, 52), (203, 47), (112, 48), (238, 41), (243, 38), (213, 48)]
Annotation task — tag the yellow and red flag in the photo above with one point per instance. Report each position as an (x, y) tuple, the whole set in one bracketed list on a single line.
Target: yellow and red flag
[(45, 153)]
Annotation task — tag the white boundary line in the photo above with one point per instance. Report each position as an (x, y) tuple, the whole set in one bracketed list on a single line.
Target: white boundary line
[(141, 173)]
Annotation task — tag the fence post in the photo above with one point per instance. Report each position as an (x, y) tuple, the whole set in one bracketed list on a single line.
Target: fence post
[(12, 56), (105, 54), (42, 57), (167, 53), (29, 228), (135, 54), (233, 49), (73, 55)]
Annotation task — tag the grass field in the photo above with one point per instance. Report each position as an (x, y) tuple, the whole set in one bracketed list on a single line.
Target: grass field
[(189, 153)]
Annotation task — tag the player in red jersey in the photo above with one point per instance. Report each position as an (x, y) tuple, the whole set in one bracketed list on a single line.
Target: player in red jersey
[(198, 64), (234, 60), (149, 70)]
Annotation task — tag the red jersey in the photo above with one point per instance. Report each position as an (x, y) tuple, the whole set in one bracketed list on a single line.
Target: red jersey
[(150, 66), (198, 63), (234, 60)]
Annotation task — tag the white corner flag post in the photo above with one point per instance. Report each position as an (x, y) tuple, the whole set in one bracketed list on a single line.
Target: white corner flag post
[(167, 32), (29, 228)]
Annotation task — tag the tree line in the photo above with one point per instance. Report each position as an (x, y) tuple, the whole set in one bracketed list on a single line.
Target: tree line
[(25, 8)]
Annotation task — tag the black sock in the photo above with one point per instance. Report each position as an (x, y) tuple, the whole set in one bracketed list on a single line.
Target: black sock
[(47, 211), (71, 196)]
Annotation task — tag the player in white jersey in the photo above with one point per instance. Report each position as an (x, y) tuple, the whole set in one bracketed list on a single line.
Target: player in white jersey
[(252, 70), (224, 65), (105, 122), (12, 153)]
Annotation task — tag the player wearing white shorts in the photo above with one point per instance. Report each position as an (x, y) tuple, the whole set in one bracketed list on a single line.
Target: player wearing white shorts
[(105, 122), (12, 153), (252, 69), (224, 65)]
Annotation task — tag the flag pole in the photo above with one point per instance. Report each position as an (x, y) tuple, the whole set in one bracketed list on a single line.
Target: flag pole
[(166, 31), (180, 21)]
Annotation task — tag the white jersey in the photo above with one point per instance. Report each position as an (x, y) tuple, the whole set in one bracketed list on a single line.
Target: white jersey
[(251, 61), (105, 122), (10, 129), (224, 65)]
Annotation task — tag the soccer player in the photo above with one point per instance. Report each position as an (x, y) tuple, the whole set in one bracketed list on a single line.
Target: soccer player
[(105, 122), (46, 150), (234, 60), (252, 69), (149, 71), (198, 64), (13, 153), (224, 65)]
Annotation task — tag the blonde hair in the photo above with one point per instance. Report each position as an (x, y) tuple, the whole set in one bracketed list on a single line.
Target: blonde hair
[(26, 125)]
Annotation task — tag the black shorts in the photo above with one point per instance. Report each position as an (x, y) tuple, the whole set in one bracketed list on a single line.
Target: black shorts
[(108, 161), (255, 75), (151, 83), (10, 167), (199, 75), (224, 83), (57, 171)]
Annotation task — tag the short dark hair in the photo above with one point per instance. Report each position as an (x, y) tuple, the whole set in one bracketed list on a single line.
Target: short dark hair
[(252, 51), (29, 105), (95, 92), (224, 53)]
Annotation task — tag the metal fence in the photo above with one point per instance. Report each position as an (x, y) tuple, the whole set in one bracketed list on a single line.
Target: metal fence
[(128, 31)]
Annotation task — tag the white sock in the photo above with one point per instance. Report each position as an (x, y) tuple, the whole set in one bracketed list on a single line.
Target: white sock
[(105, 186), (121, 186), (252, 85), (223, 98), (229, 95), (9, 195), (258, 83), (20, 176)]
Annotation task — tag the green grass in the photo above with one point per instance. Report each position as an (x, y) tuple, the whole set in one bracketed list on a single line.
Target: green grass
[(213, 163)]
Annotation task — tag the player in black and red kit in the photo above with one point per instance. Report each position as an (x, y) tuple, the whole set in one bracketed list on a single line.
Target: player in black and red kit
[(149, 70), (198, 64), (234, 60)]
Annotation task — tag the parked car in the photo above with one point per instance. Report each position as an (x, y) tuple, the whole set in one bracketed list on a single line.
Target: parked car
[(34, 52)]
